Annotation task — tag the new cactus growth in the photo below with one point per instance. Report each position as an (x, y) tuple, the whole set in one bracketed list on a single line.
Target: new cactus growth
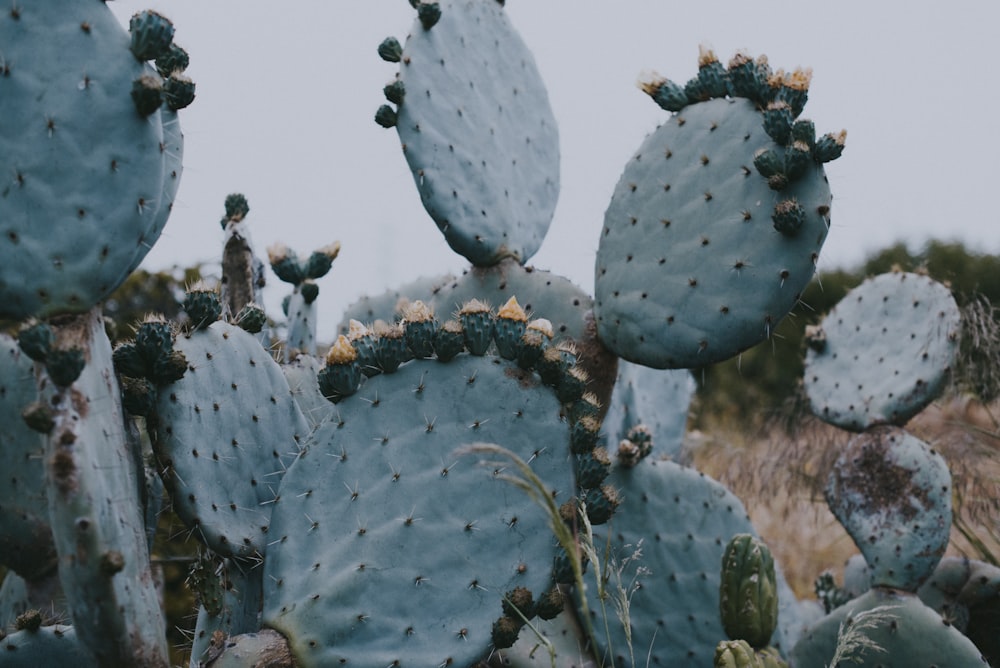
[(748, 595), (301, 309)]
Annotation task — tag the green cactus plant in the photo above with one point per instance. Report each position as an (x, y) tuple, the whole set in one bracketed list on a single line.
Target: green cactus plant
[(66, 130), (700, 255), (472, 182)]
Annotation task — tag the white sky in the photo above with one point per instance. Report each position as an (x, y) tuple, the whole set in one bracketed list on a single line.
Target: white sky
[(287, 91)]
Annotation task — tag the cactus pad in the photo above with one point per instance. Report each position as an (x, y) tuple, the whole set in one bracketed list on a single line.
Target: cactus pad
[(478, 132), (690, 269), (24, 510), (702, 252), (87, 175), (225, 433), (909, 633), (681, 521), (655, 398), (884, 352), (387, 545), (892, 493)]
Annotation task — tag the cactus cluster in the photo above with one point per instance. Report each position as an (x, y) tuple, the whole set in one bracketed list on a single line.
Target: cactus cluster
[(469, 473)]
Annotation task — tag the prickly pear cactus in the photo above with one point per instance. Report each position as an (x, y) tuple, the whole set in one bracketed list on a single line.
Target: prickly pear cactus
[(24, 510), (477, 130), (78, 133), (681, 521), (892, 493), (748, 595), (701, 252), (390, 545), (301, 306), (224, 435), (883, 353), (655, 398), (95, 507), (907, 633)]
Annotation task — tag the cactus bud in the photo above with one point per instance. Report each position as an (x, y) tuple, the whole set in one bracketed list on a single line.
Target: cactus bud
[(39, 417), (394, 91), (735, 654), (390, 50), (420, 327), (35, 340), (65, 365), (309, 291), (175, 59), (449, 340), (518, 603), (285, 263), (505, 632), (511, 323), (251, 318), (138, 396), (429, 14), (830, 146), (237, 208), (601, 503), (178, 91), (778, 120), (321, 260), (147, 94), (748, 599), (669, 95), (788, 217), (386, 116), (150, 35), (550, 604), (477, 325), (341, 376), (202, 305), (798, 157)]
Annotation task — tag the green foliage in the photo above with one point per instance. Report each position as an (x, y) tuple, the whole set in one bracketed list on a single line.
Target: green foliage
[(764, 381)]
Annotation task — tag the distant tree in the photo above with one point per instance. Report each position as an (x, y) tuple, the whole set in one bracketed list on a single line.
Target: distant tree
[(745, 391)]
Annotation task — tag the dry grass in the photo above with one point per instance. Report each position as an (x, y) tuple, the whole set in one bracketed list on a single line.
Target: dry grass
[(780, 478)]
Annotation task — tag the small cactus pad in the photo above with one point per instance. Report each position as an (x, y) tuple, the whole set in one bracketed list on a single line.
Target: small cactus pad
[(225, 433), (94, 485), (884, 352), (478, 132), (24, 509), (892, 493), (691, 269), (658, 399), (680, 521), (388, 544), (909, 633), (88, 179)]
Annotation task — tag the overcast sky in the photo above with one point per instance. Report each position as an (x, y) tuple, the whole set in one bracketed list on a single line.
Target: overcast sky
[(287, 92)]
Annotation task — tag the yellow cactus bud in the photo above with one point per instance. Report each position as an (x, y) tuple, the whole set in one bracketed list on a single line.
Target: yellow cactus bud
[(342, 352), (512, 311)]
